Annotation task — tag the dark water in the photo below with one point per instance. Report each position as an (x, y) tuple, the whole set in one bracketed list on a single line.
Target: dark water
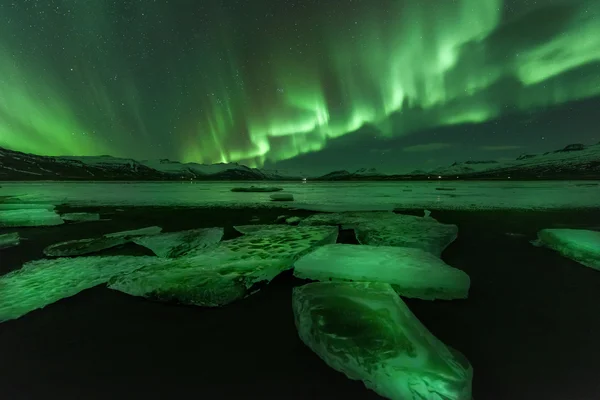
[(530, 328)]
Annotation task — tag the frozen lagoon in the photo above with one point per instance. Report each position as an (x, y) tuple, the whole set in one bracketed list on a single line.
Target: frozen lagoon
[(322, 196)]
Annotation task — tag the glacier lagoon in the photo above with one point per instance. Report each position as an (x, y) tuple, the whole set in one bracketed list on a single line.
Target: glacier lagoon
[(523, 299), (325, 196)]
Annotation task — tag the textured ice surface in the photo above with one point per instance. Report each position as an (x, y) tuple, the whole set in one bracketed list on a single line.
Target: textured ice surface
[(580, 245), (366, 331), (228, 272), (382, 228), (176, 244), (29, 217), (9, 240), (43, 282), (80, 217), (411, 272), (92, 245)]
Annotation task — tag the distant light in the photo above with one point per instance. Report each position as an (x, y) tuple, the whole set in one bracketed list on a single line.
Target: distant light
[(457, 177), (440, 177), (509, 177)]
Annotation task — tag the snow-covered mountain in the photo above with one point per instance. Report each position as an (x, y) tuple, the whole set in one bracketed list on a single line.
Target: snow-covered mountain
[(575, 161), (22, 166)]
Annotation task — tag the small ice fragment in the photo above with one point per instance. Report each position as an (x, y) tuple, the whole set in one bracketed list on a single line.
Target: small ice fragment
[(9, 240), (282, 197), (293, 220), (367, 332), (177, 244), (43, 282), (580, 245), (411, 272), (29, 217), (80, 217), (257, 189)]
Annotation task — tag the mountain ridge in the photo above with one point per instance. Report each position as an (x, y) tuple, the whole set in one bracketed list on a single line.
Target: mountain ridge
[(574, 161)]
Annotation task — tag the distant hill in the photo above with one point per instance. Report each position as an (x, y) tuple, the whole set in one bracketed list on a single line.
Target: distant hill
[(575, 161)]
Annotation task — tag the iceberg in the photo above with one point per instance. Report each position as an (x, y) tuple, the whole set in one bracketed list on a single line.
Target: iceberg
[(364, 330), (29, 217), (43, 282), (580, 245), (80, 217), (9, 240), (382, 228), (411, 272), (87, 246), (176, 244), (230, 271)]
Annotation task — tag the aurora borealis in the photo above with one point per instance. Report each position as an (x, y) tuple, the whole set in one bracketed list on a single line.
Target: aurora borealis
[(265, 81)]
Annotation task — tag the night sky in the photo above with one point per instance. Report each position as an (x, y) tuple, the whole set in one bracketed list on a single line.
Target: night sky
[(302, 84)]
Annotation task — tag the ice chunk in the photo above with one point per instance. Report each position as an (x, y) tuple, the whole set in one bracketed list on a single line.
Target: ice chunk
[(29, 217), (88, 246), (580, 245), (43, 282), (282, 197), (365, 330), (176, 244), (80, 217), (293, 220), (228, 272), (411, 272), (257, 189), (381, 228), (9, 240)]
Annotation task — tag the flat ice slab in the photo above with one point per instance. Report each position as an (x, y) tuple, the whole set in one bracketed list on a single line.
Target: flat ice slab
[(9, 240), (43, 282), (87, 246), (580, 245), (228, 272), (382, 228), (365, 331), (176, 244), (411, 272), (27, 217)]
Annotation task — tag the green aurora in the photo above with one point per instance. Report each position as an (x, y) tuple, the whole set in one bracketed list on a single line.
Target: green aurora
[(250, 82)]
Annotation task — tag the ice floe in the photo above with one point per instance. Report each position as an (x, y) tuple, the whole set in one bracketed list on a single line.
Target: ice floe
[(227, 272), (177, 244), (87, 246), (382, 228), (367, 332), (9, 240), (412, 272), (27, 217), (43, 282), (580, 245)]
